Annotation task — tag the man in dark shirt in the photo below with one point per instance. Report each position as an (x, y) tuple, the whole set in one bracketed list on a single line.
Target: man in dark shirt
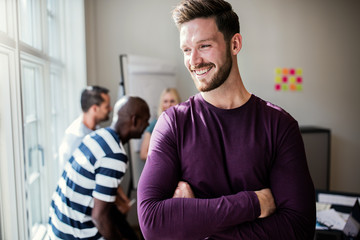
[(225, 164)]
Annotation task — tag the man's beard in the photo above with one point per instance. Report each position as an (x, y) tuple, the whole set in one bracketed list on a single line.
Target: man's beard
[(105, 118), (219, 78)]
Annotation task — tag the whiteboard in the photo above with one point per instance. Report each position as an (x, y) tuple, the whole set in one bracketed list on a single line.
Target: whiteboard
[(145, 77)]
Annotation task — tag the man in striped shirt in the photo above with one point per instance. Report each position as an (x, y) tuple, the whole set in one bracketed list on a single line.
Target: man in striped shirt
[(83, 205)]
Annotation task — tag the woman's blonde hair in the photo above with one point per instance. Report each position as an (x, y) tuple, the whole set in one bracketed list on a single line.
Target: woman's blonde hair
[(173, 92)]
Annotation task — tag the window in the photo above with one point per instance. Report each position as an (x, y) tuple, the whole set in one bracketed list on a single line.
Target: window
[(54, 28), (57, 110), (30, 23), (34, 144), (9, 149), (7, 10), (1, 215), (37, 82), (1, 227), (3, 27)]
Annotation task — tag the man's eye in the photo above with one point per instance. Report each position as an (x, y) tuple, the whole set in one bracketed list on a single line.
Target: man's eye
[(205, 46), (186, 50)]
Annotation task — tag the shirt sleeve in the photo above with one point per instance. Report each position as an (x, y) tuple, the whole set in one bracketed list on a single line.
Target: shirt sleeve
[(109, 174), (162, 217), (293, 191)]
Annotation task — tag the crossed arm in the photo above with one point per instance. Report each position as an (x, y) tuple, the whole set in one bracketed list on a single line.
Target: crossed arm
[(266, 199), (244, 215)]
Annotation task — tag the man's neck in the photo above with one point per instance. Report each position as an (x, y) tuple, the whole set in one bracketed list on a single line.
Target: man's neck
[(231, 94), (89, 121)]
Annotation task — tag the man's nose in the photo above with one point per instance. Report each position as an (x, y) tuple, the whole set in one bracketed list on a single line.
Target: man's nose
[(195, 58)]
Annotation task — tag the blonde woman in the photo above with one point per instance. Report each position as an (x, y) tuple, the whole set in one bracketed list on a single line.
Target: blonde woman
[(168, 98)]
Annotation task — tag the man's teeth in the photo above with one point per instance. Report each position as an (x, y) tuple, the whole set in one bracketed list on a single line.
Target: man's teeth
[(202, 71)]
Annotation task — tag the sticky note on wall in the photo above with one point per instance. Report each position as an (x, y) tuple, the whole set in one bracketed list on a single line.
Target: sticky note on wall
[(288, 79)]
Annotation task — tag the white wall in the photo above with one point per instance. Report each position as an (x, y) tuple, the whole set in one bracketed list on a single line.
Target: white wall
[(321, 37)]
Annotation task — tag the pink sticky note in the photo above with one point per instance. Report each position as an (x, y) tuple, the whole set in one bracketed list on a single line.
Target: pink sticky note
[(292, 71), (299, 79), (277, 87), (285, 79)]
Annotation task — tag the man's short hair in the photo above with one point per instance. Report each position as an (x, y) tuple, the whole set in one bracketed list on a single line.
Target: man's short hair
[(226, 19), (92, 95)]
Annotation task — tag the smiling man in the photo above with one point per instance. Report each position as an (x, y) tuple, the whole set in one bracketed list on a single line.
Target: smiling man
[(225, 164), (196, 48)]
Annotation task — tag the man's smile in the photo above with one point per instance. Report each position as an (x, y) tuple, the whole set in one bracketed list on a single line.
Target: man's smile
[(201, 70)]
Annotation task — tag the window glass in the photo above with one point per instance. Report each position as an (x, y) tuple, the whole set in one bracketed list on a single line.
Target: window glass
[(29, 76), (3, 27), (57, 128), (1, 216), (30, 23), (53, 16), (34, 142)]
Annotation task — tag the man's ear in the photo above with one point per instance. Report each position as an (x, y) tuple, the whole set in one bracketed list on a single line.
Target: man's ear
[(236, 44), (134, 120), (93, 108)]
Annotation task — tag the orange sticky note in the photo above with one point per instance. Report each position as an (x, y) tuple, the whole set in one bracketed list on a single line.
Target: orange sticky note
[(292, 87), (285, 71)]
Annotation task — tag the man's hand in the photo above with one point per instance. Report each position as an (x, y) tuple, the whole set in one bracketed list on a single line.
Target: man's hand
[(104, 218), (267, 203), (122, 201), (183, 190)]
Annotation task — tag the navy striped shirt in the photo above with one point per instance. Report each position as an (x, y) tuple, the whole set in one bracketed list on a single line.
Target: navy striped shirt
[(95, 170)]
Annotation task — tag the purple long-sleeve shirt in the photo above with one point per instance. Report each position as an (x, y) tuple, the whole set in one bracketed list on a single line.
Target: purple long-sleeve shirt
[(226, 155)]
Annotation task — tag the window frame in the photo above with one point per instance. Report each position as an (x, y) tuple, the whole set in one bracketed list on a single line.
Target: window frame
[(13, 205), (42, 122)]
